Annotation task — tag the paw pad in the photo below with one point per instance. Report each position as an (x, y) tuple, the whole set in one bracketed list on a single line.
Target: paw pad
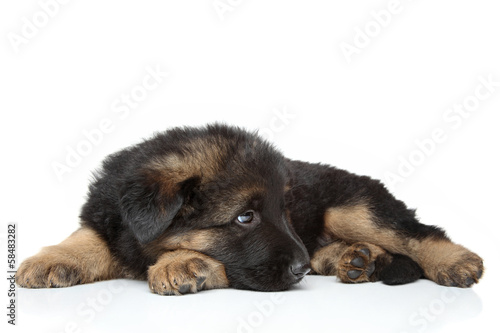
[(358, 263), (363, 262)]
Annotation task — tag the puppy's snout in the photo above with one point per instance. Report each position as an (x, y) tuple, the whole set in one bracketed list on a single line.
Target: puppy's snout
[(300, 268)]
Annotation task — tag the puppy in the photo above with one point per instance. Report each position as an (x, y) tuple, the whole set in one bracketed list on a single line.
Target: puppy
[(216, 207)]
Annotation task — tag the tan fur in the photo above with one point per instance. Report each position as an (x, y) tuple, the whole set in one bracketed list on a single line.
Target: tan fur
[(183, 271), (226, 207), (325, 260), (443, 261), (204, 160), (336, 258), (356, 224), (196, 240), (82, 258)]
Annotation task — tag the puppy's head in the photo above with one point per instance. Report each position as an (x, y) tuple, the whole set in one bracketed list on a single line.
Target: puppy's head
[(219, 191)]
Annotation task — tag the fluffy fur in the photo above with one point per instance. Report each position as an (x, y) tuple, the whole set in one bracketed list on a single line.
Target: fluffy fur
[(215, 207)]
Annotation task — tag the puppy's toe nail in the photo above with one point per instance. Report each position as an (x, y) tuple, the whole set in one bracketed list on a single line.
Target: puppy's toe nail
[(479, 273), (370, 269), (357, 262), (469, 281), (354, 274), (184, 288), (365, 251), (200, 281)]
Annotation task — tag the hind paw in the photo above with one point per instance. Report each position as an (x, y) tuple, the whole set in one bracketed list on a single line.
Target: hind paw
[(360, 262), (463, 273), (450, 264)]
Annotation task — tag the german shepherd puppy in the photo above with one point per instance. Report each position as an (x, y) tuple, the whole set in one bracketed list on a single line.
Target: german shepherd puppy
[(216, 207)]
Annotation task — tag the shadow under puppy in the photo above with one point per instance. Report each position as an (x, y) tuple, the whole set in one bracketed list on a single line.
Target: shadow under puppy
[(217, 206)]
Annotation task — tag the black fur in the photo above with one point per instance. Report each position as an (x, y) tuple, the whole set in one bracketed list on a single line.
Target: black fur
[(317, 187), (217, 206), (129, 210), (400, 271), (123, 206)]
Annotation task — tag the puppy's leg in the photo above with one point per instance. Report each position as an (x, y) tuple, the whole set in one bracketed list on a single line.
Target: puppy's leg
[(359, 262), (442, 261), (325, 260), (82, 258), (184, 271)]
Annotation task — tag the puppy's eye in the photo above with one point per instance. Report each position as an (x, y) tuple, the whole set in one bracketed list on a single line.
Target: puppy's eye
[(246, 217)]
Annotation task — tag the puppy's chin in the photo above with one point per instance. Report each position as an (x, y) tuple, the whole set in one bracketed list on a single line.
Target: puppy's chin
[(256, 286), (258, 280)]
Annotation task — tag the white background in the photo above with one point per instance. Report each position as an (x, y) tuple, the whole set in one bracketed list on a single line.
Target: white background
[(258, 59)]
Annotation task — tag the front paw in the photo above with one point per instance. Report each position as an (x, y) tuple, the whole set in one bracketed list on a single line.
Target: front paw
[(45, 272), (182, 271)]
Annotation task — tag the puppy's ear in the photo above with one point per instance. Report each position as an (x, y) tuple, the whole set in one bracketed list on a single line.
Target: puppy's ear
[(149, 202)]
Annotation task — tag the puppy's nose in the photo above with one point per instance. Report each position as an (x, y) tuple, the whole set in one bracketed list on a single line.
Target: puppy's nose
[(299, 269)]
